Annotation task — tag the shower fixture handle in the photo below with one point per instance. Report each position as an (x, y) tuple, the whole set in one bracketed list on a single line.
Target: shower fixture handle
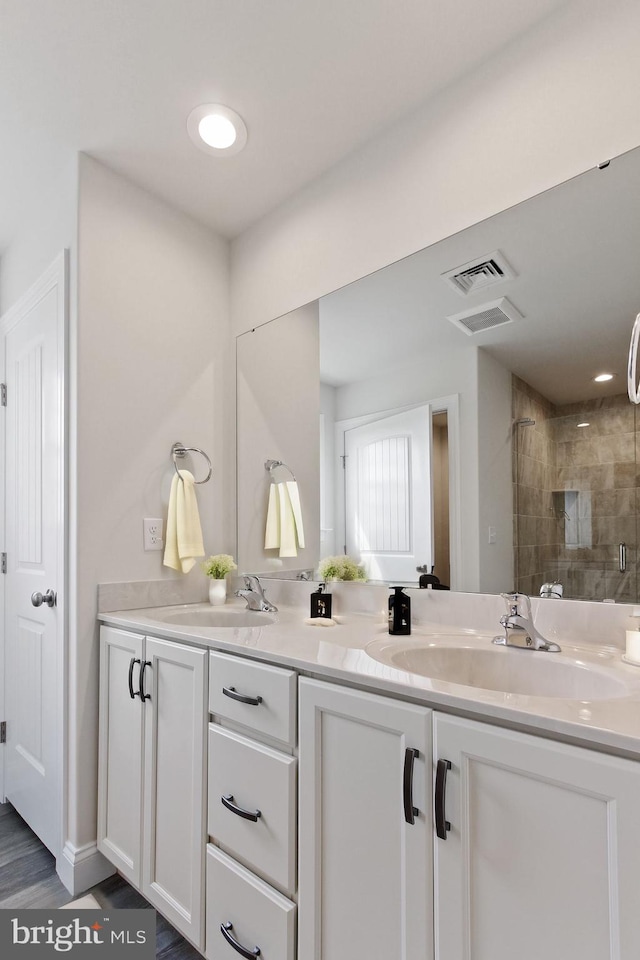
[(622, 556)]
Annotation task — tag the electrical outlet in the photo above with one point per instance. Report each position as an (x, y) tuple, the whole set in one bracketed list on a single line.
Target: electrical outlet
[(153, 532)]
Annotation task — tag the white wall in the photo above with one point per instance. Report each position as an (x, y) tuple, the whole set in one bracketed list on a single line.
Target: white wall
[(278, 399), (48, 228), (553, 104), (495, 507), (329, 465), (154, 365)]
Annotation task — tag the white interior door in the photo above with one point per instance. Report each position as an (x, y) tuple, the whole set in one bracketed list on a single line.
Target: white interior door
[(388, 494), (33, 341)]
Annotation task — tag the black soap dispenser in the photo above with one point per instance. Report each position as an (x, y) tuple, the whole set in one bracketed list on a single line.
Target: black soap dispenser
[(399, 613), (321, 603), (428, 581)]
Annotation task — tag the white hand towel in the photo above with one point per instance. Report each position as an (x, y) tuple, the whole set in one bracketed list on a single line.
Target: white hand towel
[(284, 529), (294, 497), (272, 530), (287, 523), (184, 534)]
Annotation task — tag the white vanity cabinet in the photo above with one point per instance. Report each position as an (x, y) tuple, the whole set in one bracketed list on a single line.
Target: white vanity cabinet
[(365, 867), (152, 771), (251, 860), (542, 854), (420, 835)]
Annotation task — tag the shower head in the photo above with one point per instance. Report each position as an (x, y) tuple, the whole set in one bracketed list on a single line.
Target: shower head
[(524, 422)]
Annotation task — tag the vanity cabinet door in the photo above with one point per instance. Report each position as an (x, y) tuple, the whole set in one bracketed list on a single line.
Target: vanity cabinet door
[(365, 872), (120, 752), (175, 783), (543, 851)]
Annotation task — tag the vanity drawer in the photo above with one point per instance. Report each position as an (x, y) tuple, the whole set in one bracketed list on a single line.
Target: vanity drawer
[(260, 917), (253, 777), (256, 695)]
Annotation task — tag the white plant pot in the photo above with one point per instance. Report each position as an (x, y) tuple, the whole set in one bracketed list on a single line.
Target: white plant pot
[(217, 592)]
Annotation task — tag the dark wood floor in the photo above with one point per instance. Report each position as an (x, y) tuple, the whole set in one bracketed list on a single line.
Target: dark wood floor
[(28, 878)]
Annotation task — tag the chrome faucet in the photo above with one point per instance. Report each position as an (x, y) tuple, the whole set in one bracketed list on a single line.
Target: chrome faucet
[(519, 630), (253, 593), (551, 590)]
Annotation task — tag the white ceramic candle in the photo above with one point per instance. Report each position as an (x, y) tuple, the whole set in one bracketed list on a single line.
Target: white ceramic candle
[(632, 654)]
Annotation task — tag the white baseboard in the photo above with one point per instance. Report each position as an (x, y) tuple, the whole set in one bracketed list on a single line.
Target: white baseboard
[(80, 868)]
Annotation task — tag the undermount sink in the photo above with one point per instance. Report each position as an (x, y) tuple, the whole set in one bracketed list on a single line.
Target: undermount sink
[(507, 670), (221, 616)]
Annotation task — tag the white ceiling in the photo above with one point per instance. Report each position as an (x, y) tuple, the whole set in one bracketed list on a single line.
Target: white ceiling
[(575, 253), (313, 80)]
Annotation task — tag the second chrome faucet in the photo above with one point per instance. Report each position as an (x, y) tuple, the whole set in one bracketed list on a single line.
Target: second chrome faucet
[(519, 629), (253, 593)]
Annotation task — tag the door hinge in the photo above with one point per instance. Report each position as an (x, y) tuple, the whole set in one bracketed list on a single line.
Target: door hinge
[(3, 731), (3, 394), (3, 562), (343, 457)]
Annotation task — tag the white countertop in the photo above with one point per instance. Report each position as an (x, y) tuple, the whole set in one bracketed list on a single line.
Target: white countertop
[(338, 653)]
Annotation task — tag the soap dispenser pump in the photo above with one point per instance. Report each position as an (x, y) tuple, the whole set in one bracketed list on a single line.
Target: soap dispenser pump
[(399, 613), (321, 603)]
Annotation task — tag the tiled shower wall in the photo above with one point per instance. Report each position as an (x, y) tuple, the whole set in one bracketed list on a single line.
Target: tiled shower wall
[(576, 496), (536, 528)]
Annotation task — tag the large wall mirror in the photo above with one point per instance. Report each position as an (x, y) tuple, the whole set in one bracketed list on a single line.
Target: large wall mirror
[(443, 413)]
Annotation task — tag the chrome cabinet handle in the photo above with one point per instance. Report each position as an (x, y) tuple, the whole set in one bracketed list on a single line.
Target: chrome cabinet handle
[(50, 598), (228, 802), (225, 930)]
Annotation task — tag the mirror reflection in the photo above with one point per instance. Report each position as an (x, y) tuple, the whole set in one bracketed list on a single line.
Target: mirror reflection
[(442, 416)]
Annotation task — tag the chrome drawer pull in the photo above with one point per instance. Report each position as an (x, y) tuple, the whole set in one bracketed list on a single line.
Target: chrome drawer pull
[(227, 801), (233, 693), (225, 930)]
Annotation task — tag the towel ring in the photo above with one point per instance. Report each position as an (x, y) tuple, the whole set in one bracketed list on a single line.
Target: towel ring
[(272, 465), (179, 450), (633, 388)]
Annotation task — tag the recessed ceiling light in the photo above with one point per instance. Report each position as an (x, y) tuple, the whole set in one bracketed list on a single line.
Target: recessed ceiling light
[(217, 130), (585, 424), (603, 377)]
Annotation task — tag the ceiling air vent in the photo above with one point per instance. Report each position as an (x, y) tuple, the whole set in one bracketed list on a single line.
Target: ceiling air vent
[(486, 316), (478, 274)]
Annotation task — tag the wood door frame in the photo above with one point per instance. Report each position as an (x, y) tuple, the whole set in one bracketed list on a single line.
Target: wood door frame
[(449, 405), (55, 277)]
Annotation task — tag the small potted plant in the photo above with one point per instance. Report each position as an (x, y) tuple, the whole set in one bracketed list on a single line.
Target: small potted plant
[(216, 568), (341, 568)]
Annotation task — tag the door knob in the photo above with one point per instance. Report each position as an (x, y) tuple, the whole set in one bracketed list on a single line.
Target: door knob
[(37, 599)]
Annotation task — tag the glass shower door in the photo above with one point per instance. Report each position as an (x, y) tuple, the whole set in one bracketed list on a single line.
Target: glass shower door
[(575, 496)]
